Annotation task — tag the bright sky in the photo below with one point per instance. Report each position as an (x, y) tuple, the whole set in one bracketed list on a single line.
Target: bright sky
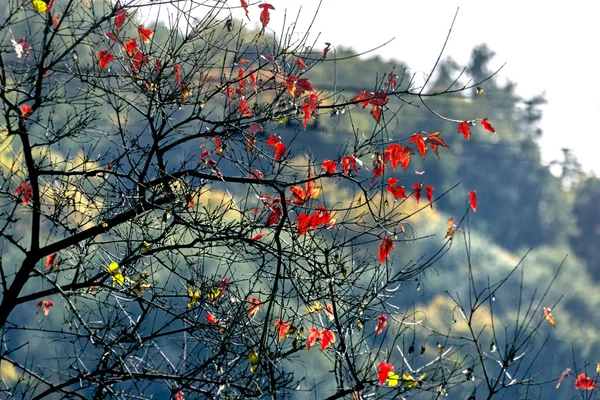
[(549, 47)]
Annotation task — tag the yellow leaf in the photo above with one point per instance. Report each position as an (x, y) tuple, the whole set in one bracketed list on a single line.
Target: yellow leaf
[(392, 379), (214, 293), (253, 359), (315, 308), (193, 295), (39, 6), (146, 247), (115, 272)]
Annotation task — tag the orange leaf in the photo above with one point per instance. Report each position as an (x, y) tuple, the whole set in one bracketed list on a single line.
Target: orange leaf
[(45, 304), (549, 317), (384, 248), (145, 34), (284, 328), (51, 260), (301, 65), (313, 336), (473, 200), (255, 305)]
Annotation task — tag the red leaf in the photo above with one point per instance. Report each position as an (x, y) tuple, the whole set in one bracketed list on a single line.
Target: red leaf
[(245, 7), (330, 166), (347, 162), (381, 323), (384, 248), (51, 260), (275, 216), (473, 200), (145, 34), (120, 18), (284, 328), (306, 111), (329, 311), (396, 190), (417, 188), (177, 72), (301, 195), (378, 167), (244, 109), (325, 50), (584, 382), (259, 236), (26, 190), (313, 336), (104, 58), (211, 318), (252, 79), (131, 47), (56, 21), (255, 173), (304, 223), (435, 141), (383, 371), (138, 60), (327, 338), (376, 114), (265, 17), (26, 110), (112, 36), (487, 126), (398, 154), (549, 317), (301, 65), (463, 127), (429, 193), (179, 395), (420, 141)]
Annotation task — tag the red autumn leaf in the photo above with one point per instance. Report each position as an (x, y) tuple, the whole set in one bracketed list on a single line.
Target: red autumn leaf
[(347, 162), (259, 236), (329, 311), (104, 58), (244, 109), (51, 260), (327, 338), (179, 395), (26, 190), (301, 195), (276, 143), (429, 193), (376, 114), (329, 166), (211, 318), (254, 128), (435, 141), (417, 188), (383, 371), (265, 17), (381, 323), (363, 97), (145, 34), (255, 305), (26, 110), (463, 127), (275, 216), (487, 126), (396, 190), (112, 36), (312, 100), (378, 167), (131, 47), (473, 200), (284, 328), (325, 50), (301, 65), (549, 317), (420, 141), (45, 304), (384, 248), (245, 7), (252, 79), (255, 173), (305, 115), (584, 382), (140, 59), (398, 154), (189, 200), (321, 216), (56, 21), (177, 72), (241, 81), (304, 223), (120, 18), (313, 336)]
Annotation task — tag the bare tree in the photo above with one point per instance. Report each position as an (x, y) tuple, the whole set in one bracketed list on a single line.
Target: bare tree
[(160, 210)]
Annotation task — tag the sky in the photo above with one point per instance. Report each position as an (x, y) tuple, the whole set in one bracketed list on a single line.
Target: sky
[(548, 47)]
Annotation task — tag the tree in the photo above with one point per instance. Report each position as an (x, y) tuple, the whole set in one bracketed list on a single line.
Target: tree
[(176, 244)]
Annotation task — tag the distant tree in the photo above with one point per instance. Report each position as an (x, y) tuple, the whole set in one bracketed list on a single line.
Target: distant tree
[(161, 239)]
